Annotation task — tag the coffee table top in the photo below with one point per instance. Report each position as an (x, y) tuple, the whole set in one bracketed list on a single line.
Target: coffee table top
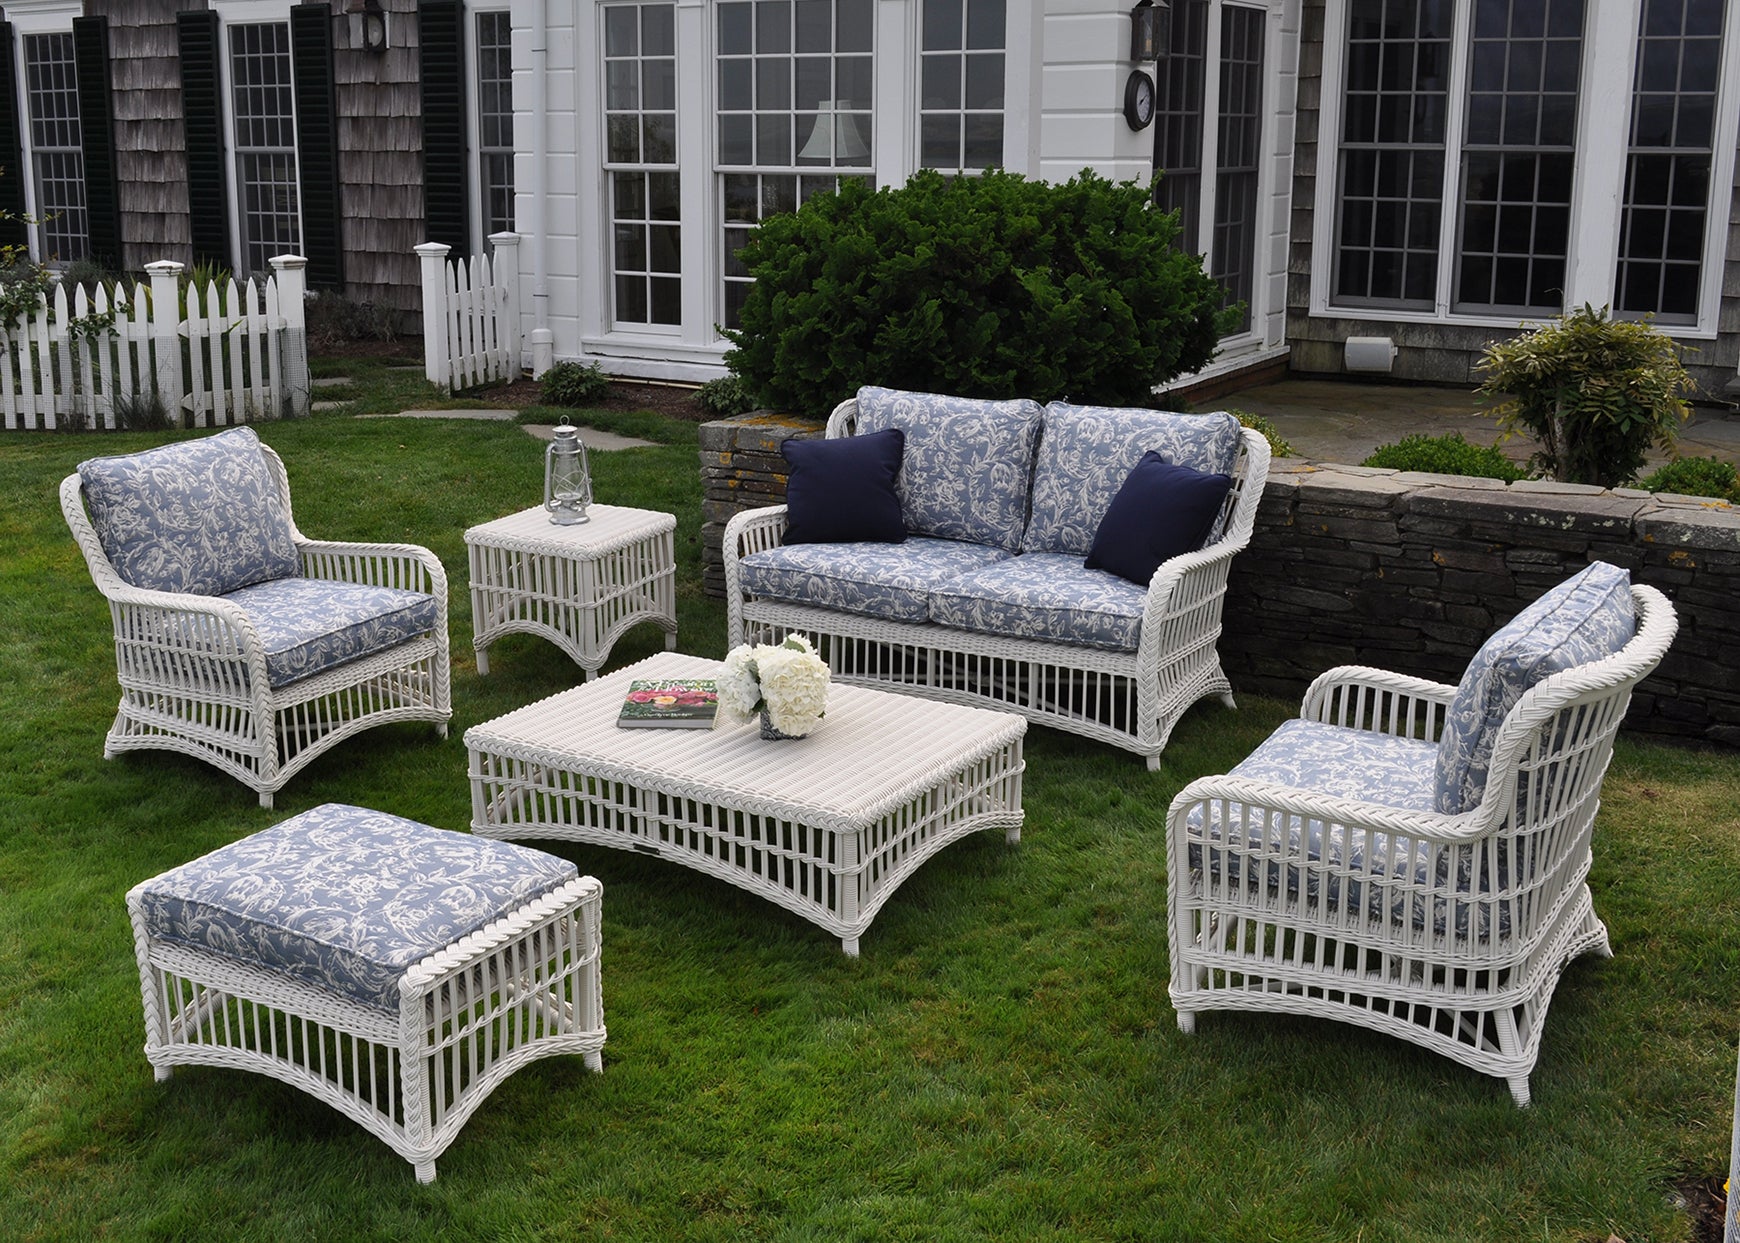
[(607, 528), (873, 750)]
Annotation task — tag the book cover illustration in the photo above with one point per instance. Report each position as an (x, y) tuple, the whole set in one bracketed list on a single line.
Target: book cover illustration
[(670, 703)]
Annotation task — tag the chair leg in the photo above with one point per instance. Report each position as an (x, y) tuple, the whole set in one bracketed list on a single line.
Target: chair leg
[(266, 799), (1519, 1091), (1226, 698), (1187, 1022), (1153, 763)]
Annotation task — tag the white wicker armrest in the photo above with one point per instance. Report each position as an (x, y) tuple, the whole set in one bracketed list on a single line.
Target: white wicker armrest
[(1379, 701), (749, 532), (409, 567), (1265, 797), (844, 420)]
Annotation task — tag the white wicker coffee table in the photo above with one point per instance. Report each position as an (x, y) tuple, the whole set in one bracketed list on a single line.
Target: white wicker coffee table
[(826, 826), (580, 586)]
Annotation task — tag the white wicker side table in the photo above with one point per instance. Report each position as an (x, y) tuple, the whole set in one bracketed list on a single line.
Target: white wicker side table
[(826, 826), (395, 971), (579, 586)]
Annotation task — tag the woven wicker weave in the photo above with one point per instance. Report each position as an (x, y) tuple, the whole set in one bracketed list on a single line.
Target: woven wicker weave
[(1132, 700), (580, 586), (1459, 954), (522, 988), (193, 671), (827, 825)]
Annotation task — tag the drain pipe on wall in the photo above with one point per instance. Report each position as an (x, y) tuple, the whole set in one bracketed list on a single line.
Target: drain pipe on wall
[(542, 339)]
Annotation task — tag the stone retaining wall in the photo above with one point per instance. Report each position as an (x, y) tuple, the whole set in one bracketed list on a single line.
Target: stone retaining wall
[(1406, 571), (741, 468)]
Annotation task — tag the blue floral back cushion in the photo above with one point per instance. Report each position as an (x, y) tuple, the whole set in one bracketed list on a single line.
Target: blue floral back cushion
[(203, 517), (1587, 617), (1087, 452), (968, 463), (344, 898)]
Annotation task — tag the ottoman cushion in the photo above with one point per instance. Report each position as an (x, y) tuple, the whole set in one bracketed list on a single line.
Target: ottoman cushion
[(344, 898)]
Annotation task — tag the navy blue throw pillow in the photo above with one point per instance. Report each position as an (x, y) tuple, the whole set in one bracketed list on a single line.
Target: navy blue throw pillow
[(842, 491), (1161, 511)]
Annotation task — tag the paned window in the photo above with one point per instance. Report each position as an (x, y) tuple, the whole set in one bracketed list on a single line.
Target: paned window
[(640, 138), (56, 146), (794, 97), (1178, 118), (1234, 253), (495, 120), (1668, 159), (961, 76), (1517, 159), (1391, 179), (265, 143)]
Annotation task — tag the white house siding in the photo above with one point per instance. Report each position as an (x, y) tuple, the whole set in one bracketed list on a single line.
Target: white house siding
[(1066, 64)]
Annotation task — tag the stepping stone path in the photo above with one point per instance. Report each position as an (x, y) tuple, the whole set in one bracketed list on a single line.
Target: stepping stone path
[(595, 440)]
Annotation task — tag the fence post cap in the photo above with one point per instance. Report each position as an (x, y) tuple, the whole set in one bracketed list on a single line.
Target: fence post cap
[(280, 262), (509, 237), (164, 267), (433, 250)]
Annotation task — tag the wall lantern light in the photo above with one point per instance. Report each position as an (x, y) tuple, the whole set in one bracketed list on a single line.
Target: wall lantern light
[(368, 25), (1145, 31)]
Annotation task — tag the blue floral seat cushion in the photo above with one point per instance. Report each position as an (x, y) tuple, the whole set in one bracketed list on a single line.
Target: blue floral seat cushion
[(308, 625), (203, 516), (1587, 617), (1087, 452), (968, 464), (1047, 596), (1320, 758), (890, 581), (344, 898)]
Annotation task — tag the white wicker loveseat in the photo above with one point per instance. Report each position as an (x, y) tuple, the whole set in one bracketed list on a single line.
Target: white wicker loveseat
[(988, 602), (1411, 857), (238, 640)]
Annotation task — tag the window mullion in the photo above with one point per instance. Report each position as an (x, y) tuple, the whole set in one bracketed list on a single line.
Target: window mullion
[(1455, 140), (1598, 184)]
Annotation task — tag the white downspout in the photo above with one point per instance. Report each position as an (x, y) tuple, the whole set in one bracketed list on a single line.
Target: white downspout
[(542, 339)]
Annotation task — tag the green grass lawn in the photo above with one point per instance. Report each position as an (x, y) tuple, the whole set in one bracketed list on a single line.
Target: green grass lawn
[(1002, 1062)]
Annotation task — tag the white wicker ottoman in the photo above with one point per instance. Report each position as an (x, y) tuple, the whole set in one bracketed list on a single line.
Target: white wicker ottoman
[(826, 826), (395, 971), (580, 587)]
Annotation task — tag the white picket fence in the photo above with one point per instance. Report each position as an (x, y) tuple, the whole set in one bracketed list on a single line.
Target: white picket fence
[(239, 354), (471, 314)]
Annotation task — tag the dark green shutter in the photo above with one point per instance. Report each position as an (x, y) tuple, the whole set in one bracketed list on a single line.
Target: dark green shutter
[(13, 231), (446, 205), (317, 143), (97, 134), (202, 110)]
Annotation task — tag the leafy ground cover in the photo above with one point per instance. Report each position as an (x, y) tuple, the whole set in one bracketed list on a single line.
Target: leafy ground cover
[(1001, 1063)]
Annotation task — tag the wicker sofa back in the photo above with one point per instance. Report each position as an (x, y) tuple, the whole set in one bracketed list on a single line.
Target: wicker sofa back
[(988, 601)]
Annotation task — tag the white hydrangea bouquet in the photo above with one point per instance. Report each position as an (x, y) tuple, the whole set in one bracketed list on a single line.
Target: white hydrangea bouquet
[(785, 683)]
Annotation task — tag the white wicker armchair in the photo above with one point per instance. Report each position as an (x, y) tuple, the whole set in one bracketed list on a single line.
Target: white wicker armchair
[(1130, 699), (194, 668), (1447, 930)]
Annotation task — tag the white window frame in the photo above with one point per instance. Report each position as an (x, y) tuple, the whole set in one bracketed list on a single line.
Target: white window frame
[(34, 17), (1609, 54), (1267, 301), (896, 39), (474, 123), (247, 13)]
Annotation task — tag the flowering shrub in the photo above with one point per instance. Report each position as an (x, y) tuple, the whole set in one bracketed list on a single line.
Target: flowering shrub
[(786, 679)]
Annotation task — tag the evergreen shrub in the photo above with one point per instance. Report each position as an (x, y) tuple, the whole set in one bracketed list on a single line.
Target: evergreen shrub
[(574, 384), (1596, 393), (990, 286), (724, 397), (1696, 476), (1446, 455)]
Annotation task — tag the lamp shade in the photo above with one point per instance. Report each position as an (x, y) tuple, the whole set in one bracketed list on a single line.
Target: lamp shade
[(835, 137)]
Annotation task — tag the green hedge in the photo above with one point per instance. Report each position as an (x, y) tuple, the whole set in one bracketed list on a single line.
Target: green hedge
[(1446, 455), (990, 286)]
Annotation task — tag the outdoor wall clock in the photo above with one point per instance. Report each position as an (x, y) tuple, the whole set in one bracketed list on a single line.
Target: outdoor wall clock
[(1139, 99)]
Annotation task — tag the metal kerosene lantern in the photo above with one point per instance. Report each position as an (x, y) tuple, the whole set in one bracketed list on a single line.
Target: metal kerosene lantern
[(567, 479)]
